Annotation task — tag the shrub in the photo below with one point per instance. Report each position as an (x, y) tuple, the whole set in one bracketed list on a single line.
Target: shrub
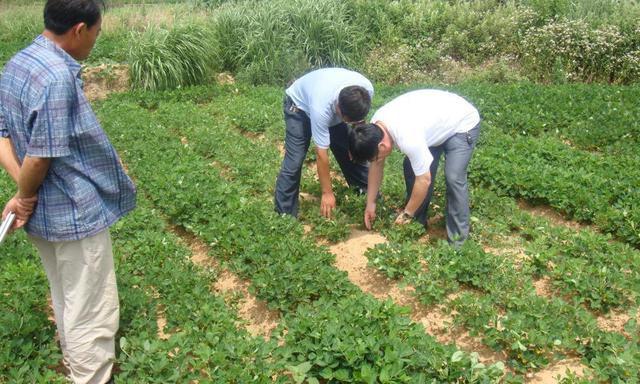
[(580, 53)]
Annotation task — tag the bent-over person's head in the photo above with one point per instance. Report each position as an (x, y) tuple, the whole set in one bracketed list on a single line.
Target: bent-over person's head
[(76, 22), (354, 103), (364, 140)]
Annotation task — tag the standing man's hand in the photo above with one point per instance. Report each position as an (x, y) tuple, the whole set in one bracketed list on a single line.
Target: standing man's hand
[(22, 207), (369, 215), (327, 204)]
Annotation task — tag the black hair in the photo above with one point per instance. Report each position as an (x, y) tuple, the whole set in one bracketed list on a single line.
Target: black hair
[(354, 102), (363, 142), (61, 15)]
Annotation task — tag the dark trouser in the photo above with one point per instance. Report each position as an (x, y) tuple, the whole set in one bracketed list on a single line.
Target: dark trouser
[(296, 144), (457, 153)]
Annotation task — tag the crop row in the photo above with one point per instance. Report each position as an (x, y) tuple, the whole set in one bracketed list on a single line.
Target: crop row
[(154, 271), (333, 331), (591, 117), (584, 186), (537, 165), (582, 276), (500, 302), (531, 149), (599, 269)]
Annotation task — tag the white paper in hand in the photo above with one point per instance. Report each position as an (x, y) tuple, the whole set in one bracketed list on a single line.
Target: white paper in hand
[(6, 225)]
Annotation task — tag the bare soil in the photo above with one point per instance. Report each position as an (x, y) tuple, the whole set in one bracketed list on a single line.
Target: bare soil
[(543, 287), (104, 79), (556, 371), (161, 322), (615, 321), (259, 319)]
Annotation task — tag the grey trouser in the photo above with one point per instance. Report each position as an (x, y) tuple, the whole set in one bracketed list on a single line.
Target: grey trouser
[(457, 153), (296, 144), (85, 303)]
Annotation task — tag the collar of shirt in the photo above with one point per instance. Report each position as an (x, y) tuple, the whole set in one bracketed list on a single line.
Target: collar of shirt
[(74, 66)]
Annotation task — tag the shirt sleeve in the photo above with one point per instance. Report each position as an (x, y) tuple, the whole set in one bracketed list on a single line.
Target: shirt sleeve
[(4, 133), (320, 121), (420, 158), (53, 120)]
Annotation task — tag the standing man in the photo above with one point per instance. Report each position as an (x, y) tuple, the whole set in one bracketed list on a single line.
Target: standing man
[(422, 124), (319, 105), (65, 161)]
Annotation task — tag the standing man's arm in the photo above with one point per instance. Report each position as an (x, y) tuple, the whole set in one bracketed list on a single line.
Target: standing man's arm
[(22, 207), (8, 158), (376, 173), (31, 175), (328, 200)]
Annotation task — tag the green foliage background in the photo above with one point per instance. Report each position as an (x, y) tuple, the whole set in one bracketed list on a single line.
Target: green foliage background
[(400, 41)]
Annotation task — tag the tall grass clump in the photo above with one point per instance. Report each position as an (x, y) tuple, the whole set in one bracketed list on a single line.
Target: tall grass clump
[(274, 41), (165, 59)]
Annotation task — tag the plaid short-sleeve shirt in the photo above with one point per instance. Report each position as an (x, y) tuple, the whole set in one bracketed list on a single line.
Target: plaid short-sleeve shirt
[(45, 114)]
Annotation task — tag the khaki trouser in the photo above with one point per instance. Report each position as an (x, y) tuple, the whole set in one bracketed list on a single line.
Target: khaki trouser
[(85, 303)]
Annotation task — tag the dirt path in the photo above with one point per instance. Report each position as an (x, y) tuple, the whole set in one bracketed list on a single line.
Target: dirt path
[(552, 216), (557, 370), (257, 318), (350, 258)]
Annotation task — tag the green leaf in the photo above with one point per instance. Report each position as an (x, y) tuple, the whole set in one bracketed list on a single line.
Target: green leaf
[(457, 356)]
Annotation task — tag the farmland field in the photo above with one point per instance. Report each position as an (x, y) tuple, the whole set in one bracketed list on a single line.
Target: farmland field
[(215, 287)]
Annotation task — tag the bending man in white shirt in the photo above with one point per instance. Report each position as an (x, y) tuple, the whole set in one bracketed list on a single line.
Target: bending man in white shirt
[(319, 105), (422, 124)]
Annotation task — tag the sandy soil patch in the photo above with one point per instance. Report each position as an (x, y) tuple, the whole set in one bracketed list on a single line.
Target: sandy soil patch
[(161, 322), (260, 320), (104, 79), (556, 371), (543, 287), (614, 321)]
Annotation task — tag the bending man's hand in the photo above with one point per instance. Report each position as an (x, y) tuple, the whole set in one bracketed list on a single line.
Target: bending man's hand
[(369, 215), (327, 204), (22, 207), (402, 219)]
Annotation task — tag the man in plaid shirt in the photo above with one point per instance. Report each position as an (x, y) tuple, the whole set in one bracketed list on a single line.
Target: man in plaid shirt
[(71, 185)]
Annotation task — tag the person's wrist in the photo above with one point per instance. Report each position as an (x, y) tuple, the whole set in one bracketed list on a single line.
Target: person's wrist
[(406, 215), (20, 195)]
